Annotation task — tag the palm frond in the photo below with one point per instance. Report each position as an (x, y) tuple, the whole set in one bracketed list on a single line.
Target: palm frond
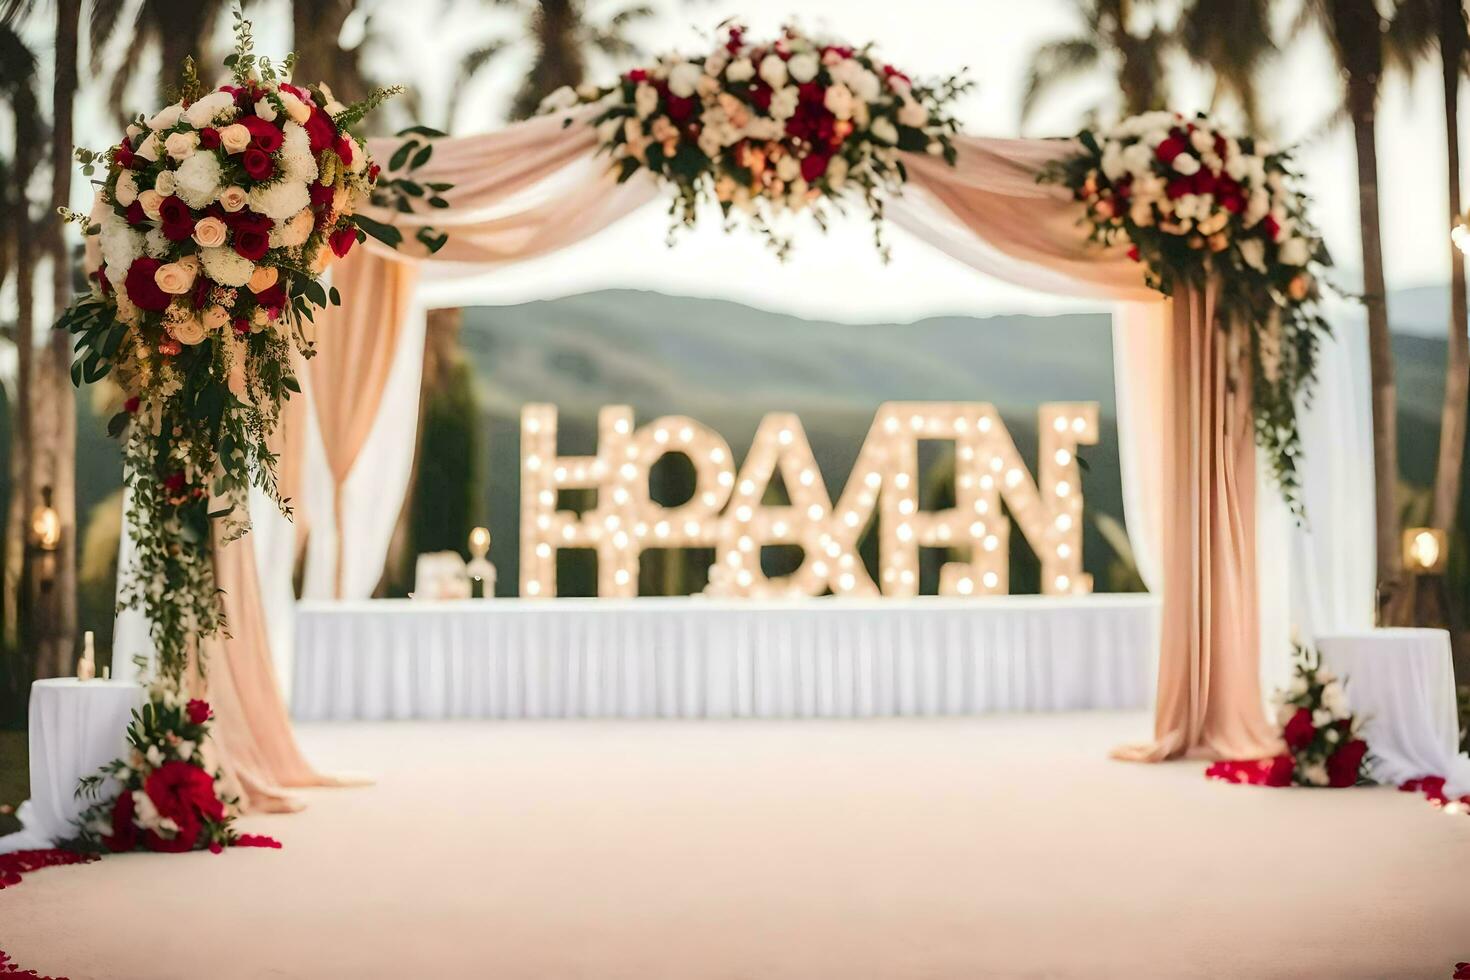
[(1412, 34), (629, 15), (475, 61), (1054, 62), (103, 25), (611, 43)]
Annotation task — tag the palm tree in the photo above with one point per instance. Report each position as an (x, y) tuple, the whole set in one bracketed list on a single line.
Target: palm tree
[(178, 29), (1421, 29), (18, 91), (1355, 33), (1233, 41), (563, 34), (1108, 41)]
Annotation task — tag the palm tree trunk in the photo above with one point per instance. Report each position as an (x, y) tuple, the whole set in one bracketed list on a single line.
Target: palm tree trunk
[(17, 565), (1361, 99), (57, 632), (1457, 366)]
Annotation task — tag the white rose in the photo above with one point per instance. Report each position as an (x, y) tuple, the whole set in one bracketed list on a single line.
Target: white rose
[(154, 756), (149, 149), (299, 111), (740, 70), (803, 68), (788, 169), (234, 138), (1331, 736), (884, 130), (265, 109), (563, 98), (683, 78), (645, 100), (837, 172), (1316, 774), (1138, 159), (126, 190), (1321, 718), (166, 118), (181, 146), (185, 748), (1202, 140), (1294, 251), (1253, 251), (1237, 167), (1141, 213), (165, 182), (785, 102), (838, 101), (1186, 164), (1297, 687), (208, 109), (709, 141), (773, 71), (188, 332), (913, 114), (715, 64)]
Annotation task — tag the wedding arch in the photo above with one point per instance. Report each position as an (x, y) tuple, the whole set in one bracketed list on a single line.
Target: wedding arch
[(1050, 215)]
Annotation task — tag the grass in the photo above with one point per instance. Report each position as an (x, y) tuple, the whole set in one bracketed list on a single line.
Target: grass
[(15, 777)]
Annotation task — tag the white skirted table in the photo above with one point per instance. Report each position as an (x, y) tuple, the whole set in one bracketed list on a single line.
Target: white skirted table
[(1401, 682), (76, 727), (692, 657)]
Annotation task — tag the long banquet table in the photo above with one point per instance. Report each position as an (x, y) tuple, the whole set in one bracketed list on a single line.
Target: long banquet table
[(692, 657)]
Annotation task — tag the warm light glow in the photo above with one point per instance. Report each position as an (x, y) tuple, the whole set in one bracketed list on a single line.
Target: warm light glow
[(1424, 550), (46, 528), (480, 541)]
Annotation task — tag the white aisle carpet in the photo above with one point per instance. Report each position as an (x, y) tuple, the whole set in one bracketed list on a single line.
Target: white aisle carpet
[(1000, 846)]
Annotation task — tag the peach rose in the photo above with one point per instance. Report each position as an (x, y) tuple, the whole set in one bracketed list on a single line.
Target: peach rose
[(263, 279), (150, 199), (209, 232), (181, 145), (1300, 286), (215, 317), (186, 331), (233, 198), (175, 278), (234, 138)]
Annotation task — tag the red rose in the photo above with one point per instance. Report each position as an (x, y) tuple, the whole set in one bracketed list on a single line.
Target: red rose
[(252, 235), (681, 109), (1233, 203), (637, 75), (170, 347), (131, 405), (124, 836), (142, 290), (1169, 149), (174, 482), (343, 148), (258, 164), (321, 195), (208, 138), (373, 172), (342, 240), (1300, 731), (135, 214), (274, 298), (181, 790), (1273, 230), (319, 130), (202, 286), (1133, 252), (1343, 765), (264, 136), (760, 95), (1280, 773), (178, 220), (1204, 182), (813, 166), (199, 711), (124, 156), (240, 325), (811, 93)]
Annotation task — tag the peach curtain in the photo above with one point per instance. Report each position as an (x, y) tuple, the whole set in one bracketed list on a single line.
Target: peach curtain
[(1187, 414)]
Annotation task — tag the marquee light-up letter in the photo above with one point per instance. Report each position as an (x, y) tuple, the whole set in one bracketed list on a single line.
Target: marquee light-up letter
[(885, 479)]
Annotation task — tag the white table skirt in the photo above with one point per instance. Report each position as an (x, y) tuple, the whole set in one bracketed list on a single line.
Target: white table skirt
[(76, 727), (706, 658), (1402, 683)]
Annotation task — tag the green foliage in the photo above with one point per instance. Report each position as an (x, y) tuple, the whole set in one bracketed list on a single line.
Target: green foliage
[(448, 491)]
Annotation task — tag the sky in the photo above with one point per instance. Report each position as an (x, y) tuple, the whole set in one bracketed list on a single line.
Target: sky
[(839, 275)]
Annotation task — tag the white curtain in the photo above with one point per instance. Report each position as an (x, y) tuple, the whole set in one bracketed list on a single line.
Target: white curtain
[(374, 492)]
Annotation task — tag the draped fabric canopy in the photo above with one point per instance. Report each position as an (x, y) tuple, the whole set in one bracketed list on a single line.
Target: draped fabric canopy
[(536, 187)]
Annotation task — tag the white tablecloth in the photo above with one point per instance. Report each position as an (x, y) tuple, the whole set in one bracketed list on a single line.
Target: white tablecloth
[(1402, 683), (76, 728), (706, 658)]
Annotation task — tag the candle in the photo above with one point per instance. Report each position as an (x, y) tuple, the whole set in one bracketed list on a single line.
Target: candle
[(87, 666)]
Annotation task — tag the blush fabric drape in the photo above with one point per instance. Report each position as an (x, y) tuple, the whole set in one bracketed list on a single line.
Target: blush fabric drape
[(1186, 419)]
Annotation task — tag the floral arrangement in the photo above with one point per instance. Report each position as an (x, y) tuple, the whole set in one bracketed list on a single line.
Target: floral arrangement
[(215, 220), (1323, 744), (767, 127), (1193, 201), (169, 799)]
